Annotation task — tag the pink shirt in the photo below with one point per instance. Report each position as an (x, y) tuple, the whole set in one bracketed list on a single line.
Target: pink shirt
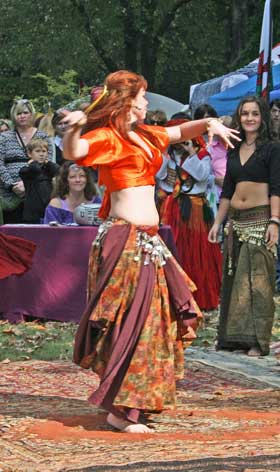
[(218, 154)]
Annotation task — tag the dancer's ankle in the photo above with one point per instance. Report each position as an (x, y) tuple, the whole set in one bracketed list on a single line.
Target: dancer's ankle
[(126, 426)]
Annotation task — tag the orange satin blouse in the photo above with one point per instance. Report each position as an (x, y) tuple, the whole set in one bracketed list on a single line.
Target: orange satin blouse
[(121, 163)]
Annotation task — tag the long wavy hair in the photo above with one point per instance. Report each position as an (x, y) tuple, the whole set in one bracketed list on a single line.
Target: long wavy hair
[(61, 189), (115, 106), (264, 130)]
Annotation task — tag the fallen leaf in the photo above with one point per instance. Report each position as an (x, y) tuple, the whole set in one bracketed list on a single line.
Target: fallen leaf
[(38, 327)]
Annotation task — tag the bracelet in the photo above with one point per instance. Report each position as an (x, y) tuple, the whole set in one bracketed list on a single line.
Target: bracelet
[(274, 222)]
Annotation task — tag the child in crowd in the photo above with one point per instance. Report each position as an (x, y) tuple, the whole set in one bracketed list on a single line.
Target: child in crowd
[(37, 176)]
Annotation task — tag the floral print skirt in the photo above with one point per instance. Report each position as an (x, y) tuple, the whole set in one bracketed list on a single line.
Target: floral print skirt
[(140, 316)]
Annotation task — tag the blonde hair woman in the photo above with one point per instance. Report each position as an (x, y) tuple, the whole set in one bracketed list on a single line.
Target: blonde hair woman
[(13, 156)]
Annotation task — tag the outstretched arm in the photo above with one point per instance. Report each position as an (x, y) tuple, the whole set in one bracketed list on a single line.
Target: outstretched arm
[(211, 126)]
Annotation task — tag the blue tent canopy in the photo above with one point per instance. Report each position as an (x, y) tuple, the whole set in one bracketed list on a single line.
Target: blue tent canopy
[(225, 103)]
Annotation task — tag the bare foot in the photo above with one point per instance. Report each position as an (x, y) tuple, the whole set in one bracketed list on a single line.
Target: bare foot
[(276, 346), (254, 352), (127, 426)]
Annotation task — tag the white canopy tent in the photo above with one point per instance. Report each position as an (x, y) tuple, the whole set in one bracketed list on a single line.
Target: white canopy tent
[(156, 102), (166, 104)]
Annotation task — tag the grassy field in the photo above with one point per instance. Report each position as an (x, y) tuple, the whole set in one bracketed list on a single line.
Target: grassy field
[(35, 340), (54, 340)]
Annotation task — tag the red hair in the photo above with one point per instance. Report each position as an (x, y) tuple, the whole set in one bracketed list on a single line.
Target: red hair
[(123, 86)]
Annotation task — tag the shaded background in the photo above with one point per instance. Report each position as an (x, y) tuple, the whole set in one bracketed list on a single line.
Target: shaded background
[(74, 44)]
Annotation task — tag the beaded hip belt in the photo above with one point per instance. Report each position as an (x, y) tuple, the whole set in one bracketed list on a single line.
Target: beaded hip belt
[(250, 232), (148, 242), (250, 226)]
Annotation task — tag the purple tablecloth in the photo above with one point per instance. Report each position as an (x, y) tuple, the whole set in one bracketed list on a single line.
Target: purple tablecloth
[(55, 287)]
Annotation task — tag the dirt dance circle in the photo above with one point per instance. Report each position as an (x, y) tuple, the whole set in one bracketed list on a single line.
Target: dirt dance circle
[(222, 420)]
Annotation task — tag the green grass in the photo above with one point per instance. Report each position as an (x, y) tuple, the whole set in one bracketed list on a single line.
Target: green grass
[(53, 340), (35, 340)]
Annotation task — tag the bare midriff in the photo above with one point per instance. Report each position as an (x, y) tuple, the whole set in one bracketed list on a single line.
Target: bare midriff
[(249, 195), (136, 205)]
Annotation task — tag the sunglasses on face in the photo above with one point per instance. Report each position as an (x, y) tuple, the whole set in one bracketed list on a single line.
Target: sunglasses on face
[(23, 101), (154, 122)]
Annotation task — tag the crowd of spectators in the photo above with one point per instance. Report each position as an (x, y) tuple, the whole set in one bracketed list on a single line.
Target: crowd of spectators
[(37, 185), (21, 190)]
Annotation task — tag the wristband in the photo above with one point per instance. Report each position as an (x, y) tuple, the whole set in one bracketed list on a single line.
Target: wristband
[(274, 222)]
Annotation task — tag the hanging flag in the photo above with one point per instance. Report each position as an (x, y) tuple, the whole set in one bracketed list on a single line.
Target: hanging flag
[(264, 75)]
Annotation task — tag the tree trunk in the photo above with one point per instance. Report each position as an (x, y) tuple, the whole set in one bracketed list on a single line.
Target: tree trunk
[(238, 29), (131, 37)]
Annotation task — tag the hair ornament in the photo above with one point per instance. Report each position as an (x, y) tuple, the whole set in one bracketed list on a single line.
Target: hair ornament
[(97, 100), (74, 167)]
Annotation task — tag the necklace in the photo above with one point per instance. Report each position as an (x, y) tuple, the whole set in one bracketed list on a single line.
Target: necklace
[(250, 144), (26, 135)]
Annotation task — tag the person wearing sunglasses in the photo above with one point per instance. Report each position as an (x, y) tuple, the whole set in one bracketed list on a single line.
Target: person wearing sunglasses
[(156, 118)]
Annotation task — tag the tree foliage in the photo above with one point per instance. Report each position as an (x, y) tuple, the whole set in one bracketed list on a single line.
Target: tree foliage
[(58, 92), (173, 43)]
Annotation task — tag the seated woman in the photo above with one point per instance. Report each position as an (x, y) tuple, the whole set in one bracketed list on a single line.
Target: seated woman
[(74, 186)]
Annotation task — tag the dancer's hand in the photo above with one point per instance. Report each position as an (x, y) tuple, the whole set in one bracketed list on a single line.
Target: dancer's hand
[(213, 233), (215, 127), (73, 120), (272, 235), (74, 147)]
